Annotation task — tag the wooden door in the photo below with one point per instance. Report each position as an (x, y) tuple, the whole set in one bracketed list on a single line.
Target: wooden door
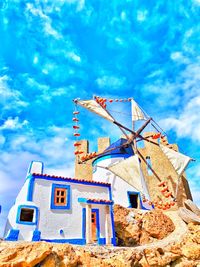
[(94, 226)]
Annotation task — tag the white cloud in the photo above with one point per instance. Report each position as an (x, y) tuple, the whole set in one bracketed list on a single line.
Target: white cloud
[(123, 15), (7, 183), (196, 2), (79, 3), (74, 56), (187, 124), (13, 124), (193, 175), (10, 98), (47, 22), (142, 15), (179, 57), (2, 140), (111, 81), (65, 170)]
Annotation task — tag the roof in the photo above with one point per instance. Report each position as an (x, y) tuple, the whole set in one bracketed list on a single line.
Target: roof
[(119, 150), (95, 201), (73, 180)]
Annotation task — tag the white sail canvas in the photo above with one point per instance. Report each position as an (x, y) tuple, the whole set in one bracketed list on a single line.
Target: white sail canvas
[(129, 170), (178, 160), (137, 113), (93, 106)]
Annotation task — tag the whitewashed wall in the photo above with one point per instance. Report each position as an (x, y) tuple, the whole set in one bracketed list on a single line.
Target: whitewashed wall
[(70, 221), (51, 221), (26, 231)]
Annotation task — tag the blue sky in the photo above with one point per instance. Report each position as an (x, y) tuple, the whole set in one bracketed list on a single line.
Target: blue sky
[(54, 51)]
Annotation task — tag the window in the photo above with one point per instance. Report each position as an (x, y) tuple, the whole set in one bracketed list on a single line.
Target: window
[(133, 200), (27, 215), (60, 197)]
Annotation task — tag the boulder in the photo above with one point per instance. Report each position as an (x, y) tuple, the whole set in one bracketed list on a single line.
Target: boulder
[(134, 227), (157, 224)]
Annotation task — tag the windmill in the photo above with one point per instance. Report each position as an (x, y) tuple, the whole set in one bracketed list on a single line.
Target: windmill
[(129, 169)]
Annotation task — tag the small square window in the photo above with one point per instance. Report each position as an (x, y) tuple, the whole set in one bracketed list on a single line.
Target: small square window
[(26, 215), (60, 198)]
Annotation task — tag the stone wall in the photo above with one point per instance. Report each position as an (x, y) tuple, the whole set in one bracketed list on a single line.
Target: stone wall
[(160, 163)]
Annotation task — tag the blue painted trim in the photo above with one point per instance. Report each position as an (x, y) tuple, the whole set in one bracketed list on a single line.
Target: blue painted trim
[(13, 235), (70, 181), (61, 231), (68, 200), (113, 239), (97, 224), (0, 209), (36, 235), (35, 215), (89, 201), (30, 188), (110, 194), (83, 223), (110, 157), (102, 241), (78, 241)]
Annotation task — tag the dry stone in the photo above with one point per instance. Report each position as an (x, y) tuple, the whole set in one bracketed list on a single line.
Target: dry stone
[(157, 224)]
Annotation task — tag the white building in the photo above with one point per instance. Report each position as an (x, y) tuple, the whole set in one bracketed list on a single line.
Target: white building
[(121, 168), (57, 209)]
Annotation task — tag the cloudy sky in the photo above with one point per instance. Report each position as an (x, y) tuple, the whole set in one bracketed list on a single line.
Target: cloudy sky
[(54, 51)]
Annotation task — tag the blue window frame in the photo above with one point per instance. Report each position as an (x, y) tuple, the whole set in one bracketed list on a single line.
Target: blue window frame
[(60, 196), (27, 214), (134, 199)]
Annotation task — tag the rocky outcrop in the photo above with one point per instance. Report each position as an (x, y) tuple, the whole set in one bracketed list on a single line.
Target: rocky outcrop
[(181, 248), (135, 227), (157, 224), (27, 254)]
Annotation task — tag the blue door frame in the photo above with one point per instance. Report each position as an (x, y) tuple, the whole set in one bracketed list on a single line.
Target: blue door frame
[(99, 241)]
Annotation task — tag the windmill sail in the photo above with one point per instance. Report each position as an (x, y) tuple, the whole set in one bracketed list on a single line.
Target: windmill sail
[(178, 160), (129, 170), (137, 113), (93, 106)]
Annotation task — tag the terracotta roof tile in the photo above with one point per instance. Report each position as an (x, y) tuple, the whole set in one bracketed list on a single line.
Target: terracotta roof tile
[(99, 200)]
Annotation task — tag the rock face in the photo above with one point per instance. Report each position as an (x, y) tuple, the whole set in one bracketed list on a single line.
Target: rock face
[(183, 251), (157, 224), (134, 227)]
